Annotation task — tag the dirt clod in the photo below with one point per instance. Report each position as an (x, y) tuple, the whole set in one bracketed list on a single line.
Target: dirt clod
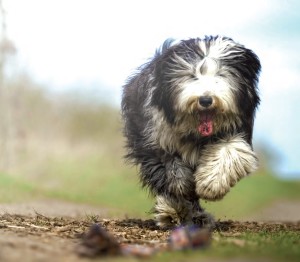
[(97, 241)]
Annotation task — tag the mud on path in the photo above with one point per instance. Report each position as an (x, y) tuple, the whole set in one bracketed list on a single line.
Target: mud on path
[(42, 238)]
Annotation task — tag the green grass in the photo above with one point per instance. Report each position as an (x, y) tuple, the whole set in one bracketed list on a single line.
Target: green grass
[(261, 246), (106, 181), (96, 180), (253, 193), (13, 189), (100, 178)]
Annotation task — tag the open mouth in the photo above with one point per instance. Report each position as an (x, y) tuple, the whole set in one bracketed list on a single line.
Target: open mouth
[(205, 127)]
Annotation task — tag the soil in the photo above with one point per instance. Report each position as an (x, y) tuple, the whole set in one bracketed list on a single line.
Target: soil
[(282, 210), (53, 236)]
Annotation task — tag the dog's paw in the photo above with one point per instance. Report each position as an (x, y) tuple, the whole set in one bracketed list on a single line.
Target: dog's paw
[(204, 220), (166, 220), (171, 212), (222, 165)]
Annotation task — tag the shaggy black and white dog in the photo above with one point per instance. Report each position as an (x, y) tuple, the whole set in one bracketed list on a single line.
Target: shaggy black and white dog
[(189, 116)]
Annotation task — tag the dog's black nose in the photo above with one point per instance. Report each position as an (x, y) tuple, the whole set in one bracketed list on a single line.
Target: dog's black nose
[(205, 101)]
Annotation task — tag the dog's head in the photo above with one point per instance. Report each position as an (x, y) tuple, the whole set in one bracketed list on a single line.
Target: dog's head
[(207, 86)]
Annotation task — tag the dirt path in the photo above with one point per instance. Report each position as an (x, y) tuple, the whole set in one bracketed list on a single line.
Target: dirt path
[(40, 238), (52, 208), (282, 210), (52, 230)]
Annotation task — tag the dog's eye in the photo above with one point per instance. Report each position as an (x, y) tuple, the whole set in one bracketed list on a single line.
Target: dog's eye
[(195, 78)]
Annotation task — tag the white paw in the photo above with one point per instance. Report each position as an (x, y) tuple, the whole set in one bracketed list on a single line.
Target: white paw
[(170, 212), (222, 165)]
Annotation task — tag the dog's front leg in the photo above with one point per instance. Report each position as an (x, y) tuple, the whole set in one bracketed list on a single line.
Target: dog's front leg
[(172, 211), (172, 181), (222, 165)]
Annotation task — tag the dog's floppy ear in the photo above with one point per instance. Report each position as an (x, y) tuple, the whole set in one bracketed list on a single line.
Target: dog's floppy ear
[(249, 68), (162, 95), (253, 65)]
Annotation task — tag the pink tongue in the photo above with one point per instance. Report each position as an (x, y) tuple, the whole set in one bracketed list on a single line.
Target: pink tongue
[(206, 125)]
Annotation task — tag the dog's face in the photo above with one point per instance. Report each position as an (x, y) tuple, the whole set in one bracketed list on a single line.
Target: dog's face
[(207, 86)]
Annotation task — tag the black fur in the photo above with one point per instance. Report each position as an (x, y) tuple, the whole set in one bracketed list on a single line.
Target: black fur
[(155, 87)]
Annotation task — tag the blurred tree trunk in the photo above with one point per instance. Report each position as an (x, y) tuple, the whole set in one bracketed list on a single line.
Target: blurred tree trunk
[(7, 131)]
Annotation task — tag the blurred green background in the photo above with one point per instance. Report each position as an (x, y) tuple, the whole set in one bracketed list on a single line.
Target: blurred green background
[(62, 146), (69, 146)]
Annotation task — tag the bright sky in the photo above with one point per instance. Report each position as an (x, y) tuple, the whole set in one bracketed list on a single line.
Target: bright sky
[(97, 44)]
